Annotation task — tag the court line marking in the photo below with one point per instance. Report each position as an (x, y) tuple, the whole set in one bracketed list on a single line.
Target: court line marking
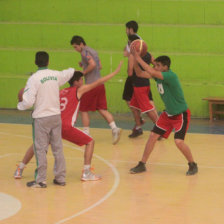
[(10, 206), (112, 190)]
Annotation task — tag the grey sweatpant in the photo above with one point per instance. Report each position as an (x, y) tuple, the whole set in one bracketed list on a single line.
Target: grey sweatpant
[(47, 130)]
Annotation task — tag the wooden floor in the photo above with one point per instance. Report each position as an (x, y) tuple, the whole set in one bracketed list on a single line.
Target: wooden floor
[(162, 195)]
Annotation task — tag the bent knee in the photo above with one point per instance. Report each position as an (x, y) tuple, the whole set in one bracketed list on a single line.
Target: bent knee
[(179, 142)]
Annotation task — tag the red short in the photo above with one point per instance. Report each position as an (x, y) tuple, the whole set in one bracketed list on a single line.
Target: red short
[(140, 99), (75, 135), (94, 100), (166, 124)]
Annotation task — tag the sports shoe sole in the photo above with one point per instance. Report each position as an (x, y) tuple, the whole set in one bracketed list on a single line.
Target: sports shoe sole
[(84, 180), (133, 172)]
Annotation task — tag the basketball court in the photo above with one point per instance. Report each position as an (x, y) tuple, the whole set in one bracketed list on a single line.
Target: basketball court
[(162, 195)]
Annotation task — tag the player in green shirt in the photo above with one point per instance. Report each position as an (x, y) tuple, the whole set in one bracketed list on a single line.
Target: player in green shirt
[(176, 115)]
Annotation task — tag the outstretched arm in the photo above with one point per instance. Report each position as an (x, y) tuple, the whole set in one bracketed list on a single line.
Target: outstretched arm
[(85, 88)]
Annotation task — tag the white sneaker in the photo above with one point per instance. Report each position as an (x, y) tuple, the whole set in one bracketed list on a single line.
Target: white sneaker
[(18, 173), (116, 134), (89, 176)]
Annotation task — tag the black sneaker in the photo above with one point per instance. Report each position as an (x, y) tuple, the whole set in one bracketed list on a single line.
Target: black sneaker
[(135, 133), (193, 169), (59, 183), (36, 185), (139, 168)]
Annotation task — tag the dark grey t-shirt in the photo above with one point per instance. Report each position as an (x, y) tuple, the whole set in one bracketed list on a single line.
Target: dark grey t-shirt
[(86, 54)]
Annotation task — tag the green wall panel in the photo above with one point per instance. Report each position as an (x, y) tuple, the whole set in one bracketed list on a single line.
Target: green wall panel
[(190, 32)]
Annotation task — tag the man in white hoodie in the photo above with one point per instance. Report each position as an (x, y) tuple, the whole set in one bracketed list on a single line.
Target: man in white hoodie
[(42, 92)]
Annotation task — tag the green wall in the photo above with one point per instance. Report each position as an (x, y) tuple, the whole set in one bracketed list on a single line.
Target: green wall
[(190, 32)]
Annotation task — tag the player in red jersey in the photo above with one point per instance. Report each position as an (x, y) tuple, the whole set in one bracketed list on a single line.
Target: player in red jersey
[(70, 100)]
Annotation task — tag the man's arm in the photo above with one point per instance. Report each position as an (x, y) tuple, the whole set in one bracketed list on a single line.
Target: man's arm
[(65, 75), (29, 95), (85, 88), (130, 65), (139, 72), (91, 65), (147, 68)]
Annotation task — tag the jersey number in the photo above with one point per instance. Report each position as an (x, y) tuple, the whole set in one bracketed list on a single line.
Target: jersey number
[(64, 102)]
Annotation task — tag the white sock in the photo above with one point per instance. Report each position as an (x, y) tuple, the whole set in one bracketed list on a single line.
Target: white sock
[(112, 125), (86, 130), (86, 167), (22, 165), (137, 127)]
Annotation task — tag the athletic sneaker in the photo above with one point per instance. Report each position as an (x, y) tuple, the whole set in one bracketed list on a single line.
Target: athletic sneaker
[(59, 183), (116, 134), (89, 176), (139, 168), (193, 169), (36, 185), (18, 173), (135, 133)]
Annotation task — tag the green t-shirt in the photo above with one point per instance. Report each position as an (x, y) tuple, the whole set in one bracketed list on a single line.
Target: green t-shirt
[(171, 93)]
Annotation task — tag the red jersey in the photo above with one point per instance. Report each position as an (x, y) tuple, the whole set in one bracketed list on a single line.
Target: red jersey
[(69, 105)]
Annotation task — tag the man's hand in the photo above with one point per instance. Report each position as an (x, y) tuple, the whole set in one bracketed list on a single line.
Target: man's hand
[(118, 67), (134, 52)]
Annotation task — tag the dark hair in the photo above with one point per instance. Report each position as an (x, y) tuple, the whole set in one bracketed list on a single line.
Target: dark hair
[(77, 40), (42, 59), (132, 24), (165, 60), (133, 37), (76, 77)]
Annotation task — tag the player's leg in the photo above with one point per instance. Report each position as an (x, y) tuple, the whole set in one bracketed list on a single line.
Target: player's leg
[(87, 174), (80, 138), (161, 128), (41, 130), (153, 137), (127, 95), (184, 148), (116, 132), (101, 106), (27, 157), (181, 124), (152, 114), (85, 121), (137, 130), (57, 150)]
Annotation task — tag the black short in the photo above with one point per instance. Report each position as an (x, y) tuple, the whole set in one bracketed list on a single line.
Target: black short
[(128, 90)]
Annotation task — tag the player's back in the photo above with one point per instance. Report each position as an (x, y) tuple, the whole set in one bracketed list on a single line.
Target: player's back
[(93, 75), (69, 105)]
